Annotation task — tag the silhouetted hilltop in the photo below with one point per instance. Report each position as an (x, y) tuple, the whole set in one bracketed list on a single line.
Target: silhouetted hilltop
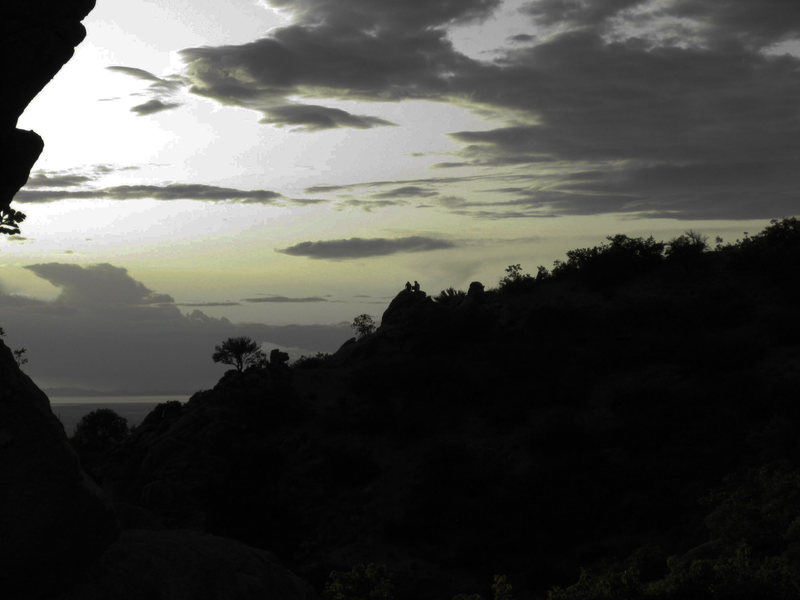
[(638, 402)]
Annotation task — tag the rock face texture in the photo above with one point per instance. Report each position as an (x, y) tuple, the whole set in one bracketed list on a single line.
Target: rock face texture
[(40, 37), (53, 520)]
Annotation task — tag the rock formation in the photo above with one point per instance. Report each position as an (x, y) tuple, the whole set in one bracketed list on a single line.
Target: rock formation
[(53, 520), (40, 37)]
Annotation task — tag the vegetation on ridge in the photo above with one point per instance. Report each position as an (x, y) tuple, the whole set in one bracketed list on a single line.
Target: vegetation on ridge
[(620, 427)]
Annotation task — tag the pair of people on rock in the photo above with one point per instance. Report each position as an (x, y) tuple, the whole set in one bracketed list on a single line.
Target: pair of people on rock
[(414, 288)]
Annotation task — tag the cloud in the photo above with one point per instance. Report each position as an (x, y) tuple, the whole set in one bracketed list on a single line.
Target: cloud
[(153, 106), (385, 14), (96, 284), (354, 248), (409, 191), (316, 118), (108, 331), (627, 87), (42, 179), (202, 304), (369, 205), (160, 88), (353, 49), (284, 299), (173, 191), (165, 85)]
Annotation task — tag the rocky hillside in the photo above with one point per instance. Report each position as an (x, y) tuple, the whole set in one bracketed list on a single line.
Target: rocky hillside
[(637, 403)]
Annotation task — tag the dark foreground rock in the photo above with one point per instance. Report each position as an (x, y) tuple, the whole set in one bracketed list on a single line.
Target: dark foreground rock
[(39, 37), (53, 520), (186, 565)]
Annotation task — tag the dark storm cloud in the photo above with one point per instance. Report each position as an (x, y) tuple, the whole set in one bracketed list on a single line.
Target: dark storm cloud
[(411, 14), (354, 248), (108, 331), (628, 87), (153, 106), (354, 49), (174, 191), (285, 299), (576, 13), (760, 24), (316, 118)]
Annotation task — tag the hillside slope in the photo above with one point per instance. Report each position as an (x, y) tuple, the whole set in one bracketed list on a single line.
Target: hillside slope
[(633, 405)]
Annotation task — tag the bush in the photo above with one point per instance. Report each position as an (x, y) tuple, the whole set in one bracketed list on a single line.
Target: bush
[(515, 279), (311, 362), (450, 297), (99, 430), (362, 582), (686, 249), (623, 258)]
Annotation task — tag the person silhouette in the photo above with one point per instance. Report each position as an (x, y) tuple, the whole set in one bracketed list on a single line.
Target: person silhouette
[(416, 285), (408, 286)]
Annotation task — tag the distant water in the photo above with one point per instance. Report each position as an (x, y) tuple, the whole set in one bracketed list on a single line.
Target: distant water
[(70, 409)]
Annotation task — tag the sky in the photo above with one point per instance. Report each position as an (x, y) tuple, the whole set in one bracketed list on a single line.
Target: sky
[(274, 168)]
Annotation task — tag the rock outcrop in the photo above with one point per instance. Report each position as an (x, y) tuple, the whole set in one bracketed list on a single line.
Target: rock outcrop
[(40, 37), (408, 308), (53, 520), (187, 565)]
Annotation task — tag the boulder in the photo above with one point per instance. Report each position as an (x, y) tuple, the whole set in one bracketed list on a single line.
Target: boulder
[(407, 309), (187, 565), (53, 520)]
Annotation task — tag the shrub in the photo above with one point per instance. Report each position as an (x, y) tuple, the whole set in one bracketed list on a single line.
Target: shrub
[(450, 297), (621, 259), (312, 362), (362, 582), (686, 249), (99, 430), (515, 279)]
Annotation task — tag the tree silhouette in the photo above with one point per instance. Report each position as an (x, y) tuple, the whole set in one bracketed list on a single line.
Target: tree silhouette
[(10, 220), (363, 325), (99, 429), (19, 356), (241, 352)]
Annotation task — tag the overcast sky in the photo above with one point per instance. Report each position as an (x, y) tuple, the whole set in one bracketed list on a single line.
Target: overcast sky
[(294, 162)]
